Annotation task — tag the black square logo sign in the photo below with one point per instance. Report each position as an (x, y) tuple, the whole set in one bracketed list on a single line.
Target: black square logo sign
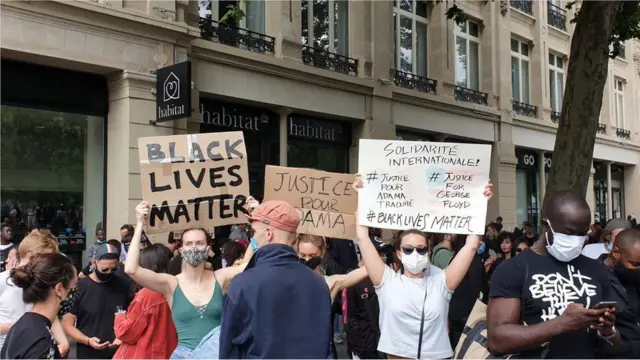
[(173, 92)]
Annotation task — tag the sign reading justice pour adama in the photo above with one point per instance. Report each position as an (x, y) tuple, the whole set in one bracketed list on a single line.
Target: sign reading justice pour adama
[(430, 186)]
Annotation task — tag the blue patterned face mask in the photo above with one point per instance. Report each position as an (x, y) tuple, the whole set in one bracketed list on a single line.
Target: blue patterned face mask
[(482, 248)]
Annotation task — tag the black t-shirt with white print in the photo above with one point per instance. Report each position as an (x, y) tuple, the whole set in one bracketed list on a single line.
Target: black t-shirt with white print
[(30, 338), (546, 287)]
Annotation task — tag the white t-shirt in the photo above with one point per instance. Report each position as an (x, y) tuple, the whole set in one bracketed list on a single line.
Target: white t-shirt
[(594, 251), (11, 305), (401, 300)]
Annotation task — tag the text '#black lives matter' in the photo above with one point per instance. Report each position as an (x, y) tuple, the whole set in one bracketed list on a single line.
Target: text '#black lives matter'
[(426, 154), (421, 221)]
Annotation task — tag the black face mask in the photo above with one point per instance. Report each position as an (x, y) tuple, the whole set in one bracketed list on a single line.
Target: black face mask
[(67, 304), (104, 277), (312, 263), (627, 276)]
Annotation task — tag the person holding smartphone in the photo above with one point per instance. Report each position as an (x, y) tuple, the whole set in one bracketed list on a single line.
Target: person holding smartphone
[(90, 320)]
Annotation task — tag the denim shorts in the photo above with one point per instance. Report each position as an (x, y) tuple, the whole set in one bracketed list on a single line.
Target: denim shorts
[(209, 348)]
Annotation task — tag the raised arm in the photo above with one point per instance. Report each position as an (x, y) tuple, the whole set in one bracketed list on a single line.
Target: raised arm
[(161, 283), (456, 271), (372, 262), (340, 282), (225, 275)]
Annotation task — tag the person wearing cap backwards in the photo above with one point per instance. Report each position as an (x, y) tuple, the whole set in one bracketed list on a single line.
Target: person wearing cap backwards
[(100, 295), (266, 312), (611, 230)]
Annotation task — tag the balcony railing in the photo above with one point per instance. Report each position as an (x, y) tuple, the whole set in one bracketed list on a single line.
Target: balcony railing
[(237, 37), (623, 134), (525, 6), (556, 17), (555, 116), (414, 82), (602, 128), (470, 95), (524, 109), (329, 61)]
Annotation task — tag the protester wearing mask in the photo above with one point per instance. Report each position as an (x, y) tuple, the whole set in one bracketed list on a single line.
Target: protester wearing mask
[(624, 273), (100, 240), (46, 283), (126, 231), (277, 308), (12, 305), (100, 295), (195, 295), (312, 252), (414, 306), (551, 288), (611, 231)]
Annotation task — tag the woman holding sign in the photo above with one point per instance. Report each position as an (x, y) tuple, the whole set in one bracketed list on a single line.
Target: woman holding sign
[(414, 306), (195, 295)]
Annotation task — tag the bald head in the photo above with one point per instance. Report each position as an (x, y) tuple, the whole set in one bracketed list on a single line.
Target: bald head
[(628, 239), (568, 213)]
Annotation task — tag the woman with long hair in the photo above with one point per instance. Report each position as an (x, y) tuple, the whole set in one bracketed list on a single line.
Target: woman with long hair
[(12, 305), (194, 295), (414, 305), (233, 253), (46, 283), (506, 241), (146, 330)]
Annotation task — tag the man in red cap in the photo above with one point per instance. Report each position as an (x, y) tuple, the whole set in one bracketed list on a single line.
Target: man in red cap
[(278, 307)]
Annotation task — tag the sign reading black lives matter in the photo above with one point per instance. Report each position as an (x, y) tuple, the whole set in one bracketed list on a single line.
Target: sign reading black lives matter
[(197, 180), (173, 92), (430, 186)]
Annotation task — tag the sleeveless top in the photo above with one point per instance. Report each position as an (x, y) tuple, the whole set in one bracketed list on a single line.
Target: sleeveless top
[(193, 323)]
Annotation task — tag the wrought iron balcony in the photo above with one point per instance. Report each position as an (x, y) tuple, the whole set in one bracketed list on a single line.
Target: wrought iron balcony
[(234, 36), (469, 95), (602, 128), (329, 61), (555, 116), (524, 109), (414, 82), (556, 17), (623, 134), (525, 6)]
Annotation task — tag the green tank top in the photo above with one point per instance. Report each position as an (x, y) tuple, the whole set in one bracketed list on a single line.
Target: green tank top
[(193, 323)]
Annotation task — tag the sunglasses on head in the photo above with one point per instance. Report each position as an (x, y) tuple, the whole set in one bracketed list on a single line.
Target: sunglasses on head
[(408, 249)]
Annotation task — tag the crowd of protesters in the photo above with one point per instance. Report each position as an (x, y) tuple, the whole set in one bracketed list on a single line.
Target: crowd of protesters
[(569, 290)]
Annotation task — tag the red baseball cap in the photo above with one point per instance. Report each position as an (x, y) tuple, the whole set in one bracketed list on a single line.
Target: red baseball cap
[(279, 214)]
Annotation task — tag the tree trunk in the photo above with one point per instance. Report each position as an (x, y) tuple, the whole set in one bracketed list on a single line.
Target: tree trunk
[(586, 77)]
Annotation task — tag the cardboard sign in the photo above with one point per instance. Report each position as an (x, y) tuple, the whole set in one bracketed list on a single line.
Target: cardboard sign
[(177, 235), (429, 186), (325, 201), (197, 180)]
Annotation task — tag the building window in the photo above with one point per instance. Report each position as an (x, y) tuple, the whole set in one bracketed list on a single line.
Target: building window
[(254, 11), (467, 37), (52, 172), (618, 93), (330, 25), (520, 71), (410, 43), (556, 81)]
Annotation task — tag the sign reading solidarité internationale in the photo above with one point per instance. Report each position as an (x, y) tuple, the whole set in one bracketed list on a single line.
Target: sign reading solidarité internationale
[(173, 92)]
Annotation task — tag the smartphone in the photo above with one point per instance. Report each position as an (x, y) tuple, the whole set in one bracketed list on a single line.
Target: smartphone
[(605, 305)]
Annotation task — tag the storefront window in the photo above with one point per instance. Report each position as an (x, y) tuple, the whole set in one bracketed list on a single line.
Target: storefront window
[(318, 156), (318, 143), (52, 172)]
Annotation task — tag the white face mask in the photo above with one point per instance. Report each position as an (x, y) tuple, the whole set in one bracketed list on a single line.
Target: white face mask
[(565, 247), (415, 263)]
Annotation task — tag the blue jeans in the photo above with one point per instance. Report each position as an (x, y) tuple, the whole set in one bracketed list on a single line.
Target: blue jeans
[(336, 324), (209, 348)]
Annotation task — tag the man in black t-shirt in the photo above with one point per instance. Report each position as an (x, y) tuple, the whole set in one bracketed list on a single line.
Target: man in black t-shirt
[(100, 295), (552, 289)]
